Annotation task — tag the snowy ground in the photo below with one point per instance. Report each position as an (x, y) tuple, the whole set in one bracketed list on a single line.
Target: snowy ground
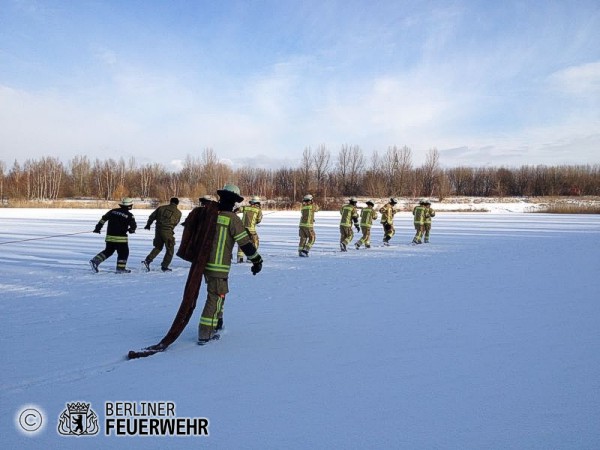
[(488, 337)]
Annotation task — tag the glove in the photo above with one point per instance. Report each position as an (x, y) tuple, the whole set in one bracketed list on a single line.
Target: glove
[(97, 230), (256, 265), (357, 227), (147, 227), (131, 231)]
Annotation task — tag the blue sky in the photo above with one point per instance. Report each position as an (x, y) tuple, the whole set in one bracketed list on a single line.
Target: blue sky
[(486, 83)]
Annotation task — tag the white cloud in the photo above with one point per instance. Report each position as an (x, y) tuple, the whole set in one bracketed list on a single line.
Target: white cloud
[(582, 80)]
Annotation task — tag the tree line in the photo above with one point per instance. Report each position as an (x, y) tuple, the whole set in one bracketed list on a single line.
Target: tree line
[(319, 172)]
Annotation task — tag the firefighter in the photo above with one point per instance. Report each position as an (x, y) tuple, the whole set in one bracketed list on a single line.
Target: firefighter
[(387, 220), (367, 215), (349, 216), (419, 221), (429, 213), (120, 222), (229, 231), (167, 217), (307, 221), (202, 201), (251, 216)]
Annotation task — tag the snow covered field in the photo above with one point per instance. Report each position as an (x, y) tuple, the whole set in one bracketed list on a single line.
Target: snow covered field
[(487, 338)]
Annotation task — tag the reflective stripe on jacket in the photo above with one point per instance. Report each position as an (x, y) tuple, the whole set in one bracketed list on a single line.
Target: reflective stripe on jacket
[(387, 213), (349, 215), (367, 215), (429, 213), (120, 222), (230, 230), (251, 216), (307, 215), (419, 213)]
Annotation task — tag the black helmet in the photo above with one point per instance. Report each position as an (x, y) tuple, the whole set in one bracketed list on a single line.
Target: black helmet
[(231, 191)]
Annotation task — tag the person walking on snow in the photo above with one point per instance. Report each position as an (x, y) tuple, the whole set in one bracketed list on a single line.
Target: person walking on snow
[(120, 222), (167, 217), (429, 213), (419, 221), (367, 215), (387, 220), (349, 216), (307, 222), (251, 216), (229, 231)]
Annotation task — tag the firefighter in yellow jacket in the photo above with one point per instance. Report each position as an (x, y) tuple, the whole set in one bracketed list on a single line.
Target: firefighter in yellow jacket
[(307, 225), (387, 220), (349, 216), (367, 215), (429, 213), (251, 216), (229, 231), (419, 221)]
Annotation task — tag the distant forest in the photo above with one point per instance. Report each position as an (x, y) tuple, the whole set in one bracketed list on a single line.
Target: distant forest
[(319, 172)]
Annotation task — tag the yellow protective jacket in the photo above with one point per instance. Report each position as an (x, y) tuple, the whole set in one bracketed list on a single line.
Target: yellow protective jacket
[(349, 214), (429, 213), (367, 215), (387, 213), (251, 216), (307, 215), (419, 214), (230, 230)]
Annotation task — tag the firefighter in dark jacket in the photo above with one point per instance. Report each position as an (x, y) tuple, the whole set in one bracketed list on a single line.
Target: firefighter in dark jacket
[(230, 230), (167, 217), (120, 222)]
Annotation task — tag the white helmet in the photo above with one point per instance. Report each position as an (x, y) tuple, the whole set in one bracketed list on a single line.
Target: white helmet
[(255, 200), (393, 200), (126, 202), (307, 198), (353, 200), (370, 202)]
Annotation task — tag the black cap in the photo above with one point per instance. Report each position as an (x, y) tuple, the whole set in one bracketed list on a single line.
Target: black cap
[(175, 201)]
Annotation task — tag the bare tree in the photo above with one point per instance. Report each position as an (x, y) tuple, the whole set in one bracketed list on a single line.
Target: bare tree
[(2, 176), (431, 172), (343, 167), (321, 163), (43, 178), (81, 171), (396, 166), (15, 178), (350, 167), (356, 161), (305, 171), (210, 175), (374, 180)]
